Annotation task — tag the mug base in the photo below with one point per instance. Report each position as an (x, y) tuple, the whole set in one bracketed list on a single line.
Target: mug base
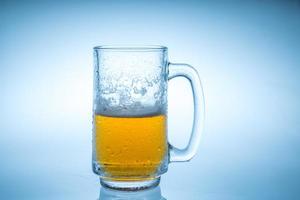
[(130, 185)]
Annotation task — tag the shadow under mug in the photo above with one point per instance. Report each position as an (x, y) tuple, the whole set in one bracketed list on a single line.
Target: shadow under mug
[(130, 146)]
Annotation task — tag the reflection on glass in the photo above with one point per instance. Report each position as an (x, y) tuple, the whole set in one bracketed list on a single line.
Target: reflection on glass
[(148, 194)]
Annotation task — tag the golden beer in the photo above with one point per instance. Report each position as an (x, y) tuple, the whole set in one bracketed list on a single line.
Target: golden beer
[(130, 147)]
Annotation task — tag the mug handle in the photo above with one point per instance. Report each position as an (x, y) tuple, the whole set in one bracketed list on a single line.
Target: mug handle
[(188, 72)]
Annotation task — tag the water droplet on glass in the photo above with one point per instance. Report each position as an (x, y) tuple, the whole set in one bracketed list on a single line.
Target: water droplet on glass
[(143, 91), (149, 83)]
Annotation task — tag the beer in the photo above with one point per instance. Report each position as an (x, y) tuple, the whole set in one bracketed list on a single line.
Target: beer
[(130, 146)]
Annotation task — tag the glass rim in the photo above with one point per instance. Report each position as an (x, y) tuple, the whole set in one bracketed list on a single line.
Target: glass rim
[(131, 47)]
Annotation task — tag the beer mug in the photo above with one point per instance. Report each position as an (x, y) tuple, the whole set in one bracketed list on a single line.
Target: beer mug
[(130, 145)]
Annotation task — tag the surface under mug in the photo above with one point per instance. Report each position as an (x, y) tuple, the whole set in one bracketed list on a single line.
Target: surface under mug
[(130, 145)]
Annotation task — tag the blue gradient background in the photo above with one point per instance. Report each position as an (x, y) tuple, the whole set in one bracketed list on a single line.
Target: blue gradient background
[(247, 54)]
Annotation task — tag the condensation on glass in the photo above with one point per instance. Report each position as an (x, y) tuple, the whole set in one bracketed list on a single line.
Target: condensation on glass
[(130, 145)]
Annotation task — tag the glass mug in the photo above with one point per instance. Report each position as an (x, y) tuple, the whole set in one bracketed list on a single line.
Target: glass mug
[(130, 146)]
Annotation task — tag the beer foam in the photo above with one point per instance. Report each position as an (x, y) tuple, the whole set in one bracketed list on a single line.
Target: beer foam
[(131, 96), (131, 111)]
